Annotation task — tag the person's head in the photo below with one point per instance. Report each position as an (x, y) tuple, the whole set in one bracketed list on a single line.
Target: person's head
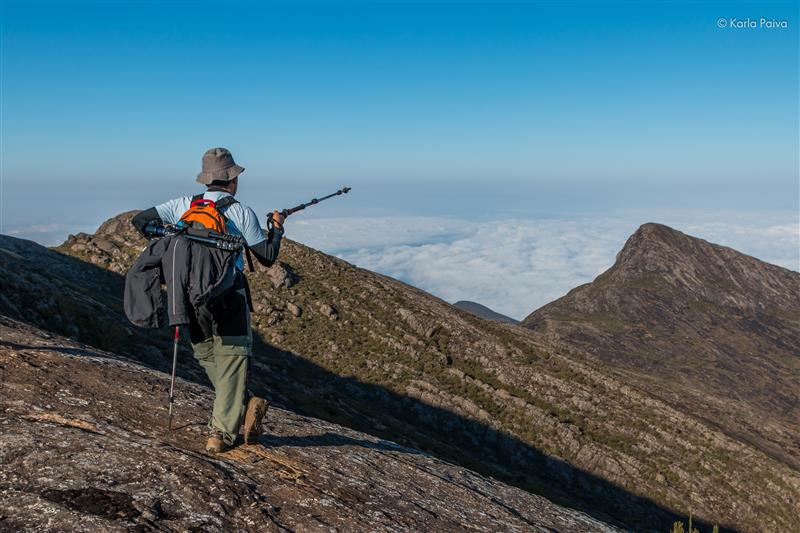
[(219, 171)]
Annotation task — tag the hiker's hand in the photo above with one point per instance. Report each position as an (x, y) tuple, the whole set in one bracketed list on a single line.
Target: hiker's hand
[(278, 219)]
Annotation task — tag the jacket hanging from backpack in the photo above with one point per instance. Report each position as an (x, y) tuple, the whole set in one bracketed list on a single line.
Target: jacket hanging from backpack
[(194, 274)]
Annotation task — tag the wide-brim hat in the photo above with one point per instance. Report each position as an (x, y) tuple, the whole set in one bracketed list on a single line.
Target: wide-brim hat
[(218, 165)]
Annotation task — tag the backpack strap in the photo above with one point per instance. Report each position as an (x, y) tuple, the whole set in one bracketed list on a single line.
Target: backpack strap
[(228, 201), (222, 203), (249, 259)]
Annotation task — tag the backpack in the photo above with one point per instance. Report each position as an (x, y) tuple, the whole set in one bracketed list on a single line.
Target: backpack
[(203, 213), (207, 214)]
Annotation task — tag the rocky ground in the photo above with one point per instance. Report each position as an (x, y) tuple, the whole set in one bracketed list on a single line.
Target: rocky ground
[(84, 447)]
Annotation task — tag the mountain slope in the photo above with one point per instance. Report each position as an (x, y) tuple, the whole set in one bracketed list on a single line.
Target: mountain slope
[(483, 311), (374, 354), (377, 355), (84, 447), (699, 325)]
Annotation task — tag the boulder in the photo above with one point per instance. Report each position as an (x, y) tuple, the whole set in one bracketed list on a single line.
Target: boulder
[(329, 311), (105, 245), (295, 310), (281, 275)]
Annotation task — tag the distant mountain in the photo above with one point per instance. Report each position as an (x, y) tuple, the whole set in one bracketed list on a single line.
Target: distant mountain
[(483, 311), (701, 326)]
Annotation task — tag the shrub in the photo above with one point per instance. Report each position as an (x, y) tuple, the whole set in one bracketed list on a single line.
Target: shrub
[(677, 527)]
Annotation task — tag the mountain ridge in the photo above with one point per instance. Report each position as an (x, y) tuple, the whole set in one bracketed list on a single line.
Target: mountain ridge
[(484, 312), (373, 353)]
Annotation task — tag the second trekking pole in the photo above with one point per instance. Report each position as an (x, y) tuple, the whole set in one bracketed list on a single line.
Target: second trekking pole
[(286, 212), (172, 381)]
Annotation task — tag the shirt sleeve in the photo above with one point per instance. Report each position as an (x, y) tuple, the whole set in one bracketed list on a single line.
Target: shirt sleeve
[(170, 211), (250, 228)]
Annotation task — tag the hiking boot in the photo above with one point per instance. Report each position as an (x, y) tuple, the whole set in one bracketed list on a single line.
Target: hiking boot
[(215, 443), (253, 416)]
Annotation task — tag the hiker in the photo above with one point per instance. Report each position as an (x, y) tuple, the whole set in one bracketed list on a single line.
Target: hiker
[(219, 329)]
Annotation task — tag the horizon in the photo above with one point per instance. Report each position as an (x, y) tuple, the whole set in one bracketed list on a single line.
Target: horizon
[(534, 260), (549, 129)]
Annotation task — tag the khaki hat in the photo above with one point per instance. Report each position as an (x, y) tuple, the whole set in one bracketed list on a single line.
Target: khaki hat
[(218, 165)]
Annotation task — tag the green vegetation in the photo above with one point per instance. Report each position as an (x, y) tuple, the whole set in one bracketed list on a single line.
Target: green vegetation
[(677, 527)]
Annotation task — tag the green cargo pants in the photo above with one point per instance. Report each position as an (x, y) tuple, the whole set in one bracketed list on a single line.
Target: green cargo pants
[(222, 342)]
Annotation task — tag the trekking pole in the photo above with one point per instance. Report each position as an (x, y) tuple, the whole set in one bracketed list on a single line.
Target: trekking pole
[(314, 201), (172, 381)]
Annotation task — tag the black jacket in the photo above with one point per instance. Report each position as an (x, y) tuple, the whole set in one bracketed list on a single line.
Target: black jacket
[(194, 274)]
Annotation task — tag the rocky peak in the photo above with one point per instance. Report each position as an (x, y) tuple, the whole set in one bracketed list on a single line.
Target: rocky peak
[(643, 247), (697, 324), (119, 226), (662, 259), (114, 245)]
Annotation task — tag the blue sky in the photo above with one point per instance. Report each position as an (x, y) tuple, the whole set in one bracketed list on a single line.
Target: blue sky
[(448, 91), (472, 111)]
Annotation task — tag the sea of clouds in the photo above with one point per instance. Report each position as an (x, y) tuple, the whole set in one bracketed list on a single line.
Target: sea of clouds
[(515, 266)]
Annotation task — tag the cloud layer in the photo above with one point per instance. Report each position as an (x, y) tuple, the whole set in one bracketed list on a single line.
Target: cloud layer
[(515, 266)]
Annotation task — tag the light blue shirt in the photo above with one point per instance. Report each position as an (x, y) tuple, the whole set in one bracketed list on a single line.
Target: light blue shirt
[(241, 220)]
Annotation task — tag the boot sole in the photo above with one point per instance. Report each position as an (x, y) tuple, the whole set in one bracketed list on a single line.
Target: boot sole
[(253, 417)]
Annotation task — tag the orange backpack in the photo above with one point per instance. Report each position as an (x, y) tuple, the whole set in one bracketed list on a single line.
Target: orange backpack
[(207, 213)]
